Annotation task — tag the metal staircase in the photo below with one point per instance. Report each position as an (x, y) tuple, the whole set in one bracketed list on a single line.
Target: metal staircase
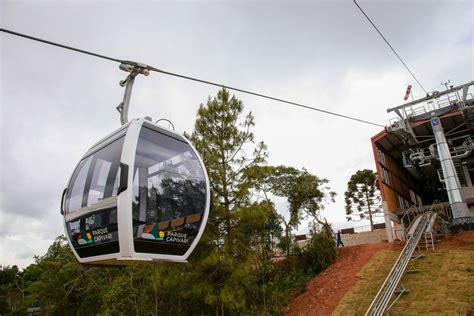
[(429, 241), (383, 300)]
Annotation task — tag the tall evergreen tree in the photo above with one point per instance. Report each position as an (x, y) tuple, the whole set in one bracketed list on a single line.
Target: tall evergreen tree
[(224, 139), (362, 197)]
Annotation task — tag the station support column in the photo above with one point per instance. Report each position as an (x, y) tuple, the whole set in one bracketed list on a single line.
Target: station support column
[(459, 207), (388, 222)]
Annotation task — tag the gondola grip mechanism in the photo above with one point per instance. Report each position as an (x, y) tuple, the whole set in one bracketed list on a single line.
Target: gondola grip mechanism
[(134, 69)]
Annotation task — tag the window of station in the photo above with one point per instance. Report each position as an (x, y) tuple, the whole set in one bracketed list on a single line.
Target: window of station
[(385, 175), (412, 196), (381, 157), (403, 203), (419, 200)]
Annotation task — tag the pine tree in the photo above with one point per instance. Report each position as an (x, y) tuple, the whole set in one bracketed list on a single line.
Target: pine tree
[(222, 139), (362, 197)]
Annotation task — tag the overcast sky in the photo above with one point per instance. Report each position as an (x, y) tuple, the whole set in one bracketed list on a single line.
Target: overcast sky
[(55, 103)]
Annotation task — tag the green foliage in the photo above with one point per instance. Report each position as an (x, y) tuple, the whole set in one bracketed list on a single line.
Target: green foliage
[(119, 298), (362, 197), (305, 192), (232, 270), (321, 251), (10, 288), (222, 140)]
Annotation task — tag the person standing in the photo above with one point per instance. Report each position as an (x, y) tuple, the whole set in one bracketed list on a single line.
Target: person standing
[(338, 239)]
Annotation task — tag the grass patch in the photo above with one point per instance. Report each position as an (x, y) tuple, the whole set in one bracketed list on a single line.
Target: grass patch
[(444, 285)]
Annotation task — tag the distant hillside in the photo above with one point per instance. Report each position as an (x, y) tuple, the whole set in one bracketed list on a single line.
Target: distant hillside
[(444, 284), (325, 290)]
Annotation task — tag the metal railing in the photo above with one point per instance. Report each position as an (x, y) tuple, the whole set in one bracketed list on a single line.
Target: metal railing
[(454, 96), (410, 215), (424, 156), (441, 209), (381, 302)]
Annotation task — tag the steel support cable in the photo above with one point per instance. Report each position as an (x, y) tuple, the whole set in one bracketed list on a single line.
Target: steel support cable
[(151, 68), (60, 45), (393, 50), (264, 96)]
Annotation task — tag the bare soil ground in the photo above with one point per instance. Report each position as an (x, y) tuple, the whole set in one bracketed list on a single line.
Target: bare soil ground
[(465, 241), (325, 290)]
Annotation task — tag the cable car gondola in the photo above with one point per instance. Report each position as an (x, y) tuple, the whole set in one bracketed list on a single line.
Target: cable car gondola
[(140, 194)]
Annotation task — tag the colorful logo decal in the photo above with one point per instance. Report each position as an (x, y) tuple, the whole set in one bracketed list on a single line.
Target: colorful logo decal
[(161, 235), (84, 238), (152, 232)]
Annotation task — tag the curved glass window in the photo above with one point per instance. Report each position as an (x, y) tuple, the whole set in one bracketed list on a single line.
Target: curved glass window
[(95, 178), (74, 196), (169, 190)]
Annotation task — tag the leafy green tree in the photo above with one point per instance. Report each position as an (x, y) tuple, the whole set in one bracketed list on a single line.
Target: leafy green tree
[(362, 197), (321, 251), (119, 298), (60, 284), (305, 192), (11, 289)]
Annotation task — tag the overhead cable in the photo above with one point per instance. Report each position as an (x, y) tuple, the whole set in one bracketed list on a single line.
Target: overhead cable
[(393, 50), (60, 45), (151, 68)]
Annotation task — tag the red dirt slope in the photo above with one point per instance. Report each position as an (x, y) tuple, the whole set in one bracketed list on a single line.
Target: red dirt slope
[(325, 290), (464, 240)]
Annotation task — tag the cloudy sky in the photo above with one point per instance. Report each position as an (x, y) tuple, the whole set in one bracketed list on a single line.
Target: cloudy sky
[(56, 103)]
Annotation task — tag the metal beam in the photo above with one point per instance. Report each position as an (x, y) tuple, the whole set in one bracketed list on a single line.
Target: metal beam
[(434, 95)]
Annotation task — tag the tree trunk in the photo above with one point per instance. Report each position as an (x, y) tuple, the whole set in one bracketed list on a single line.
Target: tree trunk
[(156, 301), (370, 212), (225, 193), (263, 273)]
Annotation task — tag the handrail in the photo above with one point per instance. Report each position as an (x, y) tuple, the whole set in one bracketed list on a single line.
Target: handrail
[(411, 213), (414, 211), (381, 300)]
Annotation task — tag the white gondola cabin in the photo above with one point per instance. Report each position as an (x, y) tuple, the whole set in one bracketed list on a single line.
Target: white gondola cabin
[(140, 194)]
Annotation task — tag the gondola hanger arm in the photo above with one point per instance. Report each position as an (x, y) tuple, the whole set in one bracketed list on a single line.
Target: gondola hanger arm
[(134, 69)]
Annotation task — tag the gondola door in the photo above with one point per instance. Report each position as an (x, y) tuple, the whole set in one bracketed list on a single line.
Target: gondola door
[(91, 203), (171, 195)]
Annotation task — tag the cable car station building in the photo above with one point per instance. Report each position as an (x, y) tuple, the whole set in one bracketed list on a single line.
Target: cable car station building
[(425, 155)]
